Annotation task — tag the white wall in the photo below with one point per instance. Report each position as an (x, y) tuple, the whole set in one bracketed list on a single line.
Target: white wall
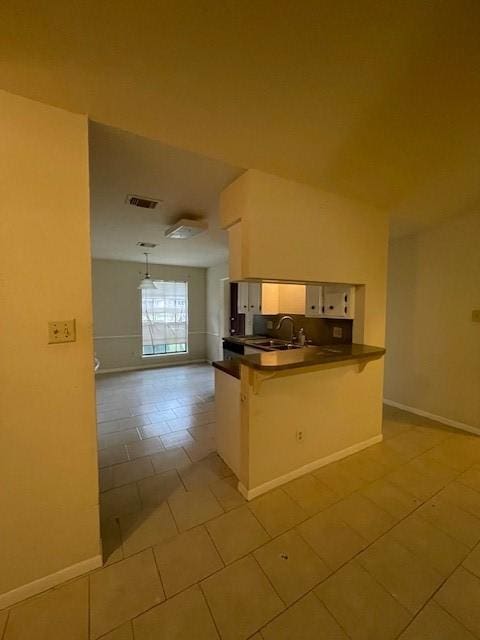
[(433, 347), (48, 449), (215, 310), (117, 313)]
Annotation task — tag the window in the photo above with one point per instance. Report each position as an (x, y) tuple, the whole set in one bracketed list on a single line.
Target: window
[(165, 319)]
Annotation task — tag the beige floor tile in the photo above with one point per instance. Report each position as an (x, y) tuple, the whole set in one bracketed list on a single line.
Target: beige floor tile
[(241, 599), (120, 501), (236, 533), (462, 496), (200, 474), (457, 452), (432, 469), (111, 541), (410, 480), (364, 516), (146, 528), (184, 617), (112, 455), (384, 454), (442, 552), (460, 596), (186, 559), (435, 623), (338, 479), (364, 466), (291, 566), (471, 478), (193, 409), (472, 561), (123, 590), (406, 576), (144, 447), (125, 632), (118, 438), (122, 424), (158, 488), (59, 613), (410, 444), (332, 539), (459, 524), (200, 450), (177, 439), (392, 428), (308, 619), (277, 512), (192, 508), (155, 429), (105, 478), (132, 471), (310, 494), (363, 607), (141, 409), (392, 499), (225, 490), (170, 459)]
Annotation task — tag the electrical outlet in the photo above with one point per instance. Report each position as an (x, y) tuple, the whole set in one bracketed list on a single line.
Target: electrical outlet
[(299, 436), (61, 331), (269, 324), (476, 315), (337, 332)]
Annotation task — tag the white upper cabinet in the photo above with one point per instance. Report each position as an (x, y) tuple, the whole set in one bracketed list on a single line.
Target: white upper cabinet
[(242, 302), (313, 301), (249, 297), (338, 301), (254, 297)]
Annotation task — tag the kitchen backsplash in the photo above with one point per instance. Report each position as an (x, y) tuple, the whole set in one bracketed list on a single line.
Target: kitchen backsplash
[(318, 330)]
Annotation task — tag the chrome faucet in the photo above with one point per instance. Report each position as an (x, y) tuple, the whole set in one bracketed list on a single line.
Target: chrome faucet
[(281, 321)]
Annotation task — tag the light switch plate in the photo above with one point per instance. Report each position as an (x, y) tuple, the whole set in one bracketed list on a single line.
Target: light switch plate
[(61, 331), (476, 315)]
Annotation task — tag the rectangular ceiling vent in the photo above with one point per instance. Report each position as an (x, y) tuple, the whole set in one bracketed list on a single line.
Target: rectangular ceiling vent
[(185, 228), (140, 201), (147, 245)]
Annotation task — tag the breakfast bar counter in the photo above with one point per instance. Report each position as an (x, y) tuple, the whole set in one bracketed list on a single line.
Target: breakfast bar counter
[(281, 414)]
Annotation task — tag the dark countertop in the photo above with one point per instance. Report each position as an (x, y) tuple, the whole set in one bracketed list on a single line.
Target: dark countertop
[(307, 357), (232, 367)]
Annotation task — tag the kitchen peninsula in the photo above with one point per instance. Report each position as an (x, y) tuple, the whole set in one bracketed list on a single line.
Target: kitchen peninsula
[(281, 414)]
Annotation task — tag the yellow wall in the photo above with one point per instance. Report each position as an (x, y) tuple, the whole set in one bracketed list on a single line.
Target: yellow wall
[(336, 407), (290, 231), (433, 347), (48, 465)]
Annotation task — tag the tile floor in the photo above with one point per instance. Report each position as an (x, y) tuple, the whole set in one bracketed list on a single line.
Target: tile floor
[(384, 544)]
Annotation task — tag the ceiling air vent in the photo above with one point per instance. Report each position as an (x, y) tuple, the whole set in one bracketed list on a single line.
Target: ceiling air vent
[(147, 245), (140, 201)]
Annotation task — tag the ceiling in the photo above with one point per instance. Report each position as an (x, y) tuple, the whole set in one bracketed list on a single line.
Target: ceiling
[(187, 184), (373, 100)]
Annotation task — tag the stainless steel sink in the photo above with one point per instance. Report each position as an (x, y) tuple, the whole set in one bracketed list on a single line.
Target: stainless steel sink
[(277, 345)]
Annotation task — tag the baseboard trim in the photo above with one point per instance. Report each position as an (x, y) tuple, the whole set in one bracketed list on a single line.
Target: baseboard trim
[(47, 582), (158, 365), (426, 414), (249, 494)]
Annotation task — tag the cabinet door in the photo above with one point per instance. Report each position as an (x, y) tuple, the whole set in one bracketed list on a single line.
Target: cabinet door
[(338, 301), (254, 297), (313, 301), (242, 297)]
